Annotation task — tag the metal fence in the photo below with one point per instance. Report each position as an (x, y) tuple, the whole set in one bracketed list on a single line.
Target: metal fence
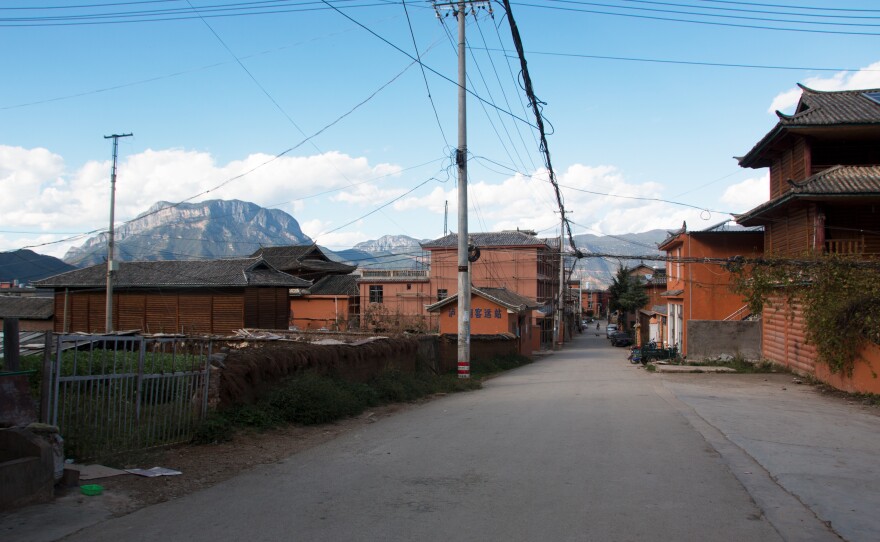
[(110, 394)]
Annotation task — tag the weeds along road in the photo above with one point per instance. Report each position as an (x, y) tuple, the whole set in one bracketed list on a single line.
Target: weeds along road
[(579, 445)]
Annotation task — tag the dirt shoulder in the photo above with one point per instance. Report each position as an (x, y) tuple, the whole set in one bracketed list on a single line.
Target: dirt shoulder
[(208, 464)]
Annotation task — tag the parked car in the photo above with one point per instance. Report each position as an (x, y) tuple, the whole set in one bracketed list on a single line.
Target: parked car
[(610, 329), (620, 338)]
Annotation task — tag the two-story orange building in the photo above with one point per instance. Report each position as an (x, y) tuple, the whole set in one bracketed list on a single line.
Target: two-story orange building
[(698, 290), (494, 311), (517, 261), (395, 299), (824, 165)]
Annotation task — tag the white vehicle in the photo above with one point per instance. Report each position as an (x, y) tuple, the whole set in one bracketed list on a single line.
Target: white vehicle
[(610, 330)]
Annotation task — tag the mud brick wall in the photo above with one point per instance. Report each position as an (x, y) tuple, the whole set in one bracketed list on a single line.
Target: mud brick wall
[(251, 369), (482, 347)]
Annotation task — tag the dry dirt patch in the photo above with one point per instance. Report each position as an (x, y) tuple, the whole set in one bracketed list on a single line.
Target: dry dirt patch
[(208, 464)]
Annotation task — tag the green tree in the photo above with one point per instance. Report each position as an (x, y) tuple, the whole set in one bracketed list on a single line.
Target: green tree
[(627, 292)]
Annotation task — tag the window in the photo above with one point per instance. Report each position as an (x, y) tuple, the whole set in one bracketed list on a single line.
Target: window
[(442, 293), (375, 294)]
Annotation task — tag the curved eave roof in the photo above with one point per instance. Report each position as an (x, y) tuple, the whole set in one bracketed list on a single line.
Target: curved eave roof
[(835, 183), (818, 109)]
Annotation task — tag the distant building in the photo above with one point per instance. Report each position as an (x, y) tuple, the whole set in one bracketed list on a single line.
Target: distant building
[(697, 290)]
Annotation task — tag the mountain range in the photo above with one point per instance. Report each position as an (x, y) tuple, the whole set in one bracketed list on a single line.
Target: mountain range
[(26, 265), (233, 228)]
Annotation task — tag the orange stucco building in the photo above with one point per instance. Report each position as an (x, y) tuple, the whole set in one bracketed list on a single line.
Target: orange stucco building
[(697, 290), (494, 311), (517, 261), (396, 299), (332, 303)]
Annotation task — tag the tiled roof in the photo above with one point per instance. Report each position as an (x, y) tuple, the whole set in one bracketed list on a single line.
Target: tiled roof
[(336, 285), (491, 239), (236, 272), (302, 259), (502, 296), (819, 108), (27, 308), (822, 108), (672, 293), (730, 226), (837, 181)]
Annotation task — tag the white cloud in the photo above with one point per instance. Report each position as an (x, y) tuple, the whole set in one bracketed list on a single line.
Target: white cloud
[(44, 196), (529, 202), (868, 77), (335, 240), (747, 194)]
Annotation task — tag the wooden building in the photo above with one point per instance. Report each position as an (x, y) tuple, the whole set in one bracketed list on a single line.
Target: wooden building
[(191, 297), (33, 313), (824, 165)]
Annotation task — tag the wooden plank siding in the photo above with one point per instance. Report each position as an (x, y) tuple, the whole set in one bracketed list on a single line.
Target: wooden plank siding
[(784, 336), (227, 313), (192, 312), (791, 164), (130, 311), (791, 235)]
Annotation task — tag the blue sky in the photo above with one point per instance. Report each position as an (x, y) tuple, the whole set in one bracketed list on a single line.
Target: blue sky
[(638, 105)]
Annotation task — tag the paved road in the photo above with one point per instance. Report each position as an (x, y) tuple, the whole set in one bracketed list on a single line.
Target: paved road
[(579, 446)]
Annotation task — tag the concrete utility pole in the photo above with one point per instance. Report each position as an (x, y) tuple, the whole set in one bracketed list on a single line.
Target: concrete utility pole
[(111, 264), (459, 10), (464, 276), (560, 308)]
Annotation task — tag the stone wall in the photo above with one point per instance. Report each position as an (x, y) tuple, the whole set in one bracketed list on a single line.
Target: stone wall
[(711, 339)]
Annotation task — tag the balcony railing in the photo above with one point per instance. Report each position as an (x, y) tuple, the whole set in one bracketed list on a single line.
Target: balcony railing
[(395, 273), (845, 246)]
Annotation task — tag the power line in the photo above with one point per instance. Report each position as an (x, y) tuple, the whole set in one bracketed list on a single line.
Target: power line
[(693, 62), (701, 22)]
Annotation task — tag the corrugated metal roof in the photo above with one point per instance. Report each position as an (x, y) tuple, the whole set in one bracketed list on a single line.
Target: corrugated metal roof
[(27, 308), (855, 181), (490, 239), (236, 272), (336, 285)]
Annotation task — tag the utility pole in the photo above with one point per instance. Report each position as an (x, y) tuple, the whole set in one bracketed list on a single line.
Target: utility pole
[(560, 305), (464, 276), (111, 264), (459, 10)]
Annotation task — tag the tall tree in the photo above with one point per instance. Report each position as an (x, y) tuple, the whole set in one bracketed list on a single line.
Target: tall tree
[(627, 292)]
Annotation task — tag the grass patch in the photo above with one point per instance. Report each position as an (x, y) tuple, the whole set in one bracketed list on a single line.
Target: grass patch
[(311, 399)]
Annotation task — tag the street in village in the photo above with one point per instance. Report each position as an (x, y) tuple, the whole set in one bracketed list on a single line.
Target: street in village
[(580, 445)]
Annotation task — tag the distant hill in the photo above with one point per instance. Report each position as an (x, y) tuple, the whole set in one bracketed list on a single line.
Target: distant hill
[(209, 229), (600, 270), (391, 243), (27, 266)]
